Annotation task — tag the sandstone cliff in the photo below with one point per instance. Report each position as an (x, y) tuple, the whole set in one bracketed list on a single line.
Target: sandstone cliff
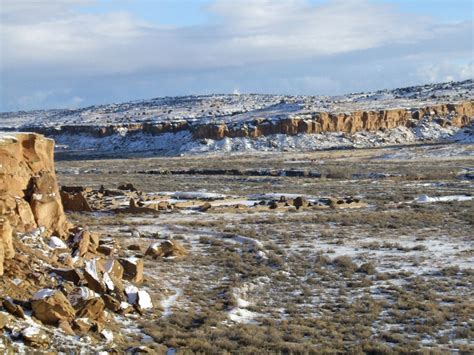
[(66, 276), (456, 114), (29, 195)]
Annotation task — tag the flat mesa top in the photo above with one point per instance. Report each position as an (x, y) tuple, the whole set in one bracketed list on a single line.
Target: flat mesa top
[(8, 136), (12, 137), (240, 108)]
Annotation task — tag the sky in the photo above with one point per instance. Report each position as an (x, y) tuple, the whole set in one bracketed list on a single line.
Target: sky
[(77, 53)]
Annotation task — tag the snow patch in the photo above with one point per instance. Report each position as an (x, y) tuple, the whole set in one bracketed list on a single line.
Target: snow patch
[(242, 315), (44, 293), (144, 300), (427, 199), (168, 303), (56, 243)]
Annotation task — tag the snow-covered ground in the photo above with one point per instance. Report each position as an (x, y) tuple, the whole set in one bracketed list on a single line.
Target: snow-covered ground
[(183, 143), (241, 107), (237, 109), (402, 265), (168, 303), (428, 199)]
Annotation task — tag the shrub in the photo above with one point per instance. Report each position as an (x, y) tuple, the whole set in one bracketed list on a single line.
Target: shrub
[(367, 268)]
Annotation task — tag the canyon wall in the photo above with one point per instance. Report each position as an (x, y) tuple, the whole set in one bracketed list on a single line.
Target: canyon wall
[(458, 115), (455, 114), (29, 195)]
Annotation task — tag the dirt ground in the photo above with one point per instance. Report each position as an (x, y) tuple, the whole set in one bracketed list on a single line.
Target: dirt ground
[(394, 276)]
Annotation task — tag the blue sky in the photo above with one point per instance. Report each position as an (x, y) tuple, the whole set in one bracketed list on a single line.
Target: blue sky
[(166, 12), (193, 12), (73, 53)]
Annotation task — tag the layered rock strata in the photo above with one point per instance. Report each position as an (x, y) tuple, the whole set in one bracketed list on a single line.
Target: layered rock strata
[(59, 272), (455, 114), (29, 195), (458, 115)]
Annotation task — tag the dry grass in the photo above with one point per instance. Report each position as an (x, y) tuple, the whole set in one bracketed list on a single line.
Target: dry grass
[(351, 281)]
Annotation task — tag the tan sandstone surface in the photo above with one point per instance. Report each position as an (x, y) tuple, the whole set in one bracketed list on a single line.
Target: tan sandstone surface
[(458, 114), (29, 195), (54, 274)]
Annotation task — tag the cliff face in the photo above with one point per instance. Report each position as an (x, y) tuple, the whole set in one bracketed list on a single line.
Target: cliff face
[(458, 115), (104, 131), (29, 195)]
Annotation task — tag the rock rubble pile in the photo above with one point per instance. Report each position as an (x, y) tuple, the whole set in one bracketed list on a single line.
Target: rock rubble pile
[(133, 201), (54, 273)]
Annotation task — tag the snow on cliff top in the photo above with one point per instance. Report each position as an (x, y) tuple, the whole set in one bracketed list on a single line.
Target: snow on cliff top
[(239, 108)]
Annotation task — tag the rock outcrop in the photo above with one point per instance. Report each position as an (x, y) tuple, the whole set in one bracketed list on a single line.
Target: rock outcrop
[(457, 114), (51, 307), (6, 243), (104, 131), (75, 202), (29, 195), (166, 249), (47, 265)]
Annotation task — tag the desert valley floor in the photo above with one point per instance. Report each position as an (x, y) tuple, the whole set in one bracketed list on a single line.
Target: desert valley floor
[(365, 250)]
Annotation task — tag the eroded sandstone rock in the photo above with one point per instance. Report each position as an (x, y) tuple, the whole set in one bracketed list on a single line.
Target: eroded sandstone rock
[(92, 309), (29, 195), (6, 242), (132, 269), (166, 249), (13, 308), (93, 273), (51, 306), (75, 202), (62, 267), (458, 114), (113, 268), (35, 337)]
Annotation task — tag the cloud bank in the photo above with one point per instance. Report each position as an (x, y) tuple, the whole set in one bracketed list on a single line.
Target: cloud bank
[(58, 54)]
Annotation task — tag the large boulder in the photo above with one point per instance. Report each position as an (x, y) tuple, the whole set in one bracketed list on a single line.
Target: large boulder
[(75, 202), (93, 273), (92, 309), (51, 307), (113, 268), (35, 337), (166, 249), (132, 269), (84, 242)]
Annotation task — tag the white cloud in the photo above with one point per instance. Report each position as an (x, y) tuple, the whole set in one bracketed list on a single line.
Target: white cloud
[(35, 98), (246, 32), (446, 71), (52, 39), (335, 27), (61, 99)]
